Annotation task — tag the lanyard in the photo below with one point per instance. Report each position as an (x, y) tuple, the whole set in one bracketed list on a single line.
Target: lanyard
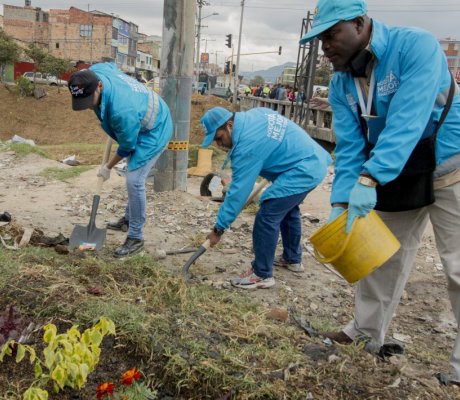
[(366, 107)]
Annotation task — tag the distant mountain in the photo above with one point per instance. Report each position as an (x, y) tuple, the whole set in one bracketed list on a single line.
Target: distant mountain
[(270, 74)]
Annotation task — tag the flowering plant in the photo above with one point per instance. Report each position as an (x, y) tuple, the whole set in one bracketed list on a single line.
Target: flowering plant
[(130, 389)]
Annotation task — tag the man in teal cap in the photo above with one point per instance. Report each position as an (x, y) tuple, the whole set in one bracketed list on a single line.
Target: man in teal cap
[(263, 143), (394, 103)]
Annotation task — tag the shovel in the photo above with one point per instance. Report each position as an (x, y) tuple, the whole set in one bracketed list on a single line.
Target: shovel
[(205, 246), (89, 237), (185, 269)]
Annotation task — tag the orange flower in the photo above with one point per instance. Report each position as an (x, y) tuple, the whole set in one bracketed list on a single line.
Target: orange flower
[(130, 376), (105, 389)]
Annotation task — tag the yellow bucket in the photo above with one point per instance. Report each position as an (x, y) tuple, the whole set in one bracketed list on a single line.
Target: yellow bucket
[(368, 245)]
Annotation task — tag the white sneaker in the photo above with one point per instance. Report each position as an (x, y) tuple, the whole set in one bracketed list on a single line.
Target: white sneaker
[(249, 280), (279, 261)]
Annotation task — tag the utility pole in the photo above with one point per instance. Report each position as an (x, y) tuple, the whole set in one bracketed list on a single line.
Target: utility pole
[(237, 69), (200, 4), (176, 76)]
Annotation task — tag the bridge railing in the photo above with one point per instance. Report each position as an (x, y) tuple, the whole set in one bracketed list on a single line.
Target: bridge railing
[(317, 122)]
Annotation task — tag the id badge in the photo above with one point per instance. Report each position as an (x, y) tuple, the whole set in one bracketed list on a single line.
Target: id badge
[(375, 125)]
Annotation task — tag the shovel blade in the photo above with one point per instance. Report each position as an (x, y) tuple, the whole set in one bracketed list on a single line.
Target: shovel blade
[(92, 237)]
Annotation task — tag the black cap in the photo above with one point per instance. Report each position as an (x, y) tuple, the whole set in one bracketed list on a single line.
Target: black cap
[(82, 86)]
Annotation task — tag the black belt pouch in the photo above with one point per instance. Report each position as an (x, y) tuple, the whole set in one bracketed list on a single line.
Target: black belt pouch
[(413, 188)]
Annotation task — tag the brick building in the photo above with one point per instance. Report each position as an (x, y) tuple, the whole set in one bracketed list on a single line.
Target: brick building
[(78, 35), (452, 49), (26, 24)]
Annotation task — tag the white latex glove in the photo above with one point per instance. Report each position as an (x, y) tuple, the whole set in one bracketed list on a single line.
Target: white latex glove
[(104, 172)]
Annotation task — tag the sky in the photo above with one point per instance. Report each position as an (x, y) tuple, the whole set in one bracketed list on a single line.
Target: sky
[(267, 24)]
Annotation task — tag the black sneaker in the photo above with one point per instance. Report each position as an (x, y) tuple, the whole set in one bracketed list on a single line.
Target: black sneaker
[(121, 225), (129, 247)]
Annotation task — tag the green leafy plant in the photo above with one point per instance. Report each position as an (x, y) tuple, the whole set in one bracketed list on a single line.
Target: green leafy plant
[(130, 389), (25, 86), (68, 358)]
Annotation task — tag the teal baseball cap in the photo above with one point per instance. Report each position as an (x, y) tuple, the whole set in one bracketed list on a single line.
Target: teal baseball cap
[(212, 120), (330, 12)]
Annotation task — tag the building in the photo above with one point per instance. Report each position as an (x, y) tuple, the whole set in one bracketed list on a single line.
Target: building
[(26, 24), (77, 35), (1, 21), (288, 76), (148, 56), (452, 49)]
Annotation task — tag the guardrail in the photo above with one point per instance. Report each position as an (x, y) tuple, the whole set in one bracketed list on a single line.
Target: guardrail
[(317, 122)]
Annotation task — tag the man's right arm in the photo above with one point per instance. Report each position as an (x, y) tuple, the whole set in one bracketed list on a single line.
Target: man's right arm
[(350, 145)]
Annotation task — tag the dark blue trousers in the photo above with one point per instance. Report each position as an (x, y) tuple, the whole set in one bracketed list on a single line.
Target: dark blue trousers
[(275, 215)]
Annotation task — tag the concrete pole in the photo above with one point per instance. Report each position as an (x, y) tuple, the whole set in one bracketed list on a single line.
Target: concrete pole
[(176, 76), (237, 69)]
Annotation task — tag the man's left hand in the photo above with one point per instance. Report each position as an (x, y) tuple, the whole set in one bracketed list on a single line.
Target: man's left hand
[(214, 238), (362, 201)]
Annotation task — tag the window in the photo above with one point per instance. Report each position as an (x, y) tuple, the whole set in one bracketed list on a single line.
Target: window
[(86, 30), (57, 45)]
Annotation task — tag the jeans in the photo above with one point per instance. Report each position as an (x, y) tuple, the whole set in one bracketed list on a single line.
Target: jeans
[(275, 215), (135, 209)]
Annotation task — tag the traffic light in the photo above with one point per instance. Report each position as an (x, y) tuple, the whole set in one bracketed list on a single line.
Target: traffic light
[(279, 51), (229, 40), (233, 68), (227, 68)]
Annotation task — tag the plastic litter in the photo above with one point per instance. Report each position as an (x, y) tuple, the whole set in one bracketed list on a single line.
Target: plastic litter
[(71, 160), (19, 139)]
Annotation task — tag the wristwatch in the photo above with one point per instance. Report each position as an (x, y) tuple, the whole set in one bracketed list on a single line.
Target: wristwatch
[(217, 231), (367, 181)]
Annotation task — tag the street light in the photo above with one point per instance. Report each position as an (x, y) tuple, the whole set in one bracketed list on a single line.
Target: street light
[(210, 15), (198, 32)]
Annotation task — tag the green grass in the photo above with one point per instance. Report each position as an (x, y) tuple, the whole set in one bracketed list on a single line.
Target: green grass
[(22, 150), (189, 339), (63, 174)]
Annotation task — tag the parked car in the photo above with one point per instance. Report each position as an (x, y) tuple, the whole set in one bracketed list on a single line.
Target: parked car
[(45, 79)]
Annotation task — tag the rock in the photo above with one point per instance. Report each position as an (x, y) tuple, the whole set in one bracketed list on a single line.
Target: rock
[(61, 249), (402, 338), (159, 254), (314, 306), (278, 314)]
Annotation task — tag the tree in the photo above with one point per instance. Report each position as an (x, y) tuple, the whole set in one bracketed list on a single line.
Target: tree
[(55, 66), (9, 52), (257, 80), (323, 76), (36, 54)]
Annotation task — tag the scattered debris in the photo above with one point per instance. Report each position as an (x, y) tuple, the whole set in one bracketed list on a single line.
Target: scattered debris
[(71, 160), (19, 139)]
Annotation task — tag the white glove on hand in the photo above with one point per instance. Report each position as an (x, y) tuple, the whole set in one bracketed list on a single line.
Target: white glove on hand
[(104, 172)]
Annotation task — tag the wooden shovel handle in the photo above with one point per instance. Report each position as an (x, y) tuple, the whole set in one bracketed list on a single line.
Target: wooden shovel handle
[(105, 158)]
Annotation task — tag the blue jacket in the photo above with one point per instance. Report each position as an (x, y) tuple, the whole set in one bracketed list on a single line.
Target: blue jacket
[(125, 116), (412, 82), (267, 144)]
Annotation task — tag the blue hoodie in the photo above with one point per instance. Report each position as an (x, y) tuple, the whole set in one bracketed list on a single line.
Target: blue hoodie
[(412, 83), (267, 144), (124, 105)]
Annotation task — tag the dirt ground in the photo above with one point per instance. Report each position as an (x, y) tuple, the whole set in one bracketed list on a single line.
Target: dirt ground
[(424, 322)]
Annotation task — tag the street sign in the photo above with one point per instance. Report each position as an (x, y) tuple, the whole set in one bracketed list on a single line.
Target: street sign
[(204, 58)]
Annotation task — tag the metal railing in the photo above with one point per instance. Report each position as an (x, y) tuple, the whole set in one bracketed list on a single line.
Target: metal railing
[(317, 122)]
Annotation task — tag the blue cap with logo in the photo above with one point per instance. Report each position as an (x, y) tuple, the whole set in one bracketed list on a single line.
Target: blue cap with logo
[(330, 12), (212, 120)]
